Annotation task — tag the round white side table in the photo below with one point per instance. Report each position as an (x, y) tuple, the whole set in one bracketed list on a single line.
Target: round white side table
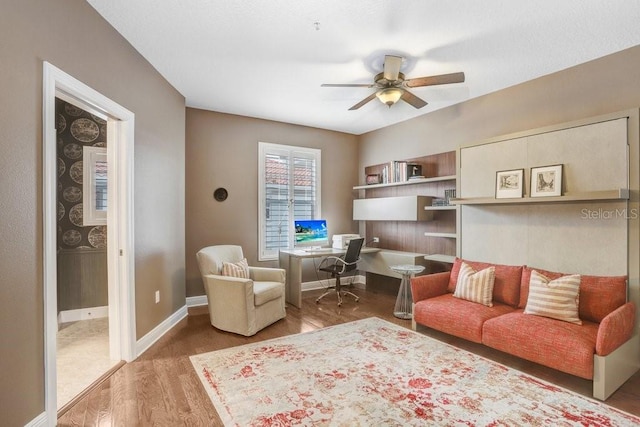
[(404, 300)]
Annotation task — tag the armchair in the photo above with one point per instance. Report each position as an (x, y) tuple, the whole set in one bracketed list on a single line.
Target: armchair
[(241, 305)]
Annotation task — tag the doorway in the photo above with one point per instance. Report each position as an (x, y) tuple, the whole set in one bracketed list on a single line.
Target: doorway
[(119, 234)]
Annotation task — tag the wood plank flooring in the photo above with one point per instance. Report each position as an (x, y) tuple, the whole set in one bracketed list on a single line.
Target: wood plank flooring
[(160, 388)]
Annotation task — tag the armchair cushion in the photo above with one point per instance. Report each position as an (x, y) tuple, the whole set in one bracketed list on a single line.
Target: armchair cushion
[(236, 269), (267, 291)]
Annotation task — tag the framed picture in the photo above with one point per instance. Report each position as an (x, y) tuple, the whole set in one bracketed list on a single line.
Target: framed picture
[(510, 184), (546, 181), (373, 179)]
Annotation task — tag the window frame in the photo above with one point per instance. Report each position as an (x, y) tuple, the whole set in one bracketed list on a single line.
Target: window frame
[(291, 152)]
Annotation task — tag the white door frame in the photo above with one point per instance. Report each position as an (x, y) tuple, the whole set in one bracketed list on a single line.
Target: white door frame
[(120, 253)]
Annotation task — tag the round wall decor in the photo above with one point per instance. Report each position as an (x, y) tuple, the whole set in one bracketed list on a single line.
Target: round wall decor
[(220, 194)]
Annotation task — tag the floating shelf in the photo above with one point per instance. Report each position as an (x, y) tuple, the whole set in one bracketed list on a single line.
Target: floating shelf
[(410, 182), (446, 235), (619, 194), (441, 208), (441, 258)]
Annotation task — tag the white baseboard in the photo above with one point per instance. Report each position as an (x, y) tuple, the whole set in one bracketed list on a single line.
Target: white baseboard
[(83, 314), (197, 301), (156, 333), (39, 421), (359, 281)]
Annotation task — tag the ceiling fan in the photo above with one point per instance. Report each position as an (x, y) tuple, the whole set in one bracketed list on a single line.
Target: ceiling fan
[(392, 86)]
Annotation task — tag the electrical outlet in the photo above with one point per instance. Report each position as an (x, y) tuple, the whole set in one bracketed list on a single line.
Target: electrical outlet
[(157, 297), (376, 240)]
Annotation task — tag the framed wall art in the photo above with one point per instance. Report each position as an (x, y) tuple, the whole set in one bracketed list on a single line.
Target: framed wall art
[(546, 181), (510, 184)]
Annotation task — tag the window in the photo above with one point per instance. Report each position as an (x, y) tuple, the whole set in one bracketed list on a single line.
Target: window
[(289, 188), (94, 193)]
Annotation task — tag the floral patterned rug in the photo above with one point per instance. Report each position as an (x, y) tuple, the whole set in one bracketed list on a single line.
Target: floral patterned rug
[(372, 372)]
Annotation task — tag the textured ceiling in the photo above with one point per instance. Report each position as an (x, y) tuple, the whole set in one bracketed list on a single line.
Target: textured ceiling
[(267, 59)]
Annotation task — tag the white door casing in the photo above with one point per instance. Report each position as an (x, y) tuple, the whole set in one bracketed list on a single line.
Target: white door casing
[(120, 252)]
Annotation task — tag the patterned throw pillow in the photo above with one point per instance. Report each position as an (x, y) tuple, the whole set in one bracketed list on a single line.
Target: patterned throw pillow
[(238, 269), (557, 299), (475, 286)]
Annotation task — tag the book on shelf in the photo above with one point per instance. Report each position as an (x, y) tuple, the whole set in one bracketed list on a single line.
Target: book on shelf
[(448, 195), (401, 171)]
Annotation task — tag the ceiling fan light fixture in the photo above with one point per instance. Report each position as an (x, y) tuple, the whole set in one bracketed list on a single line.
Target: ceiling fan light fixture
[(389, 96)]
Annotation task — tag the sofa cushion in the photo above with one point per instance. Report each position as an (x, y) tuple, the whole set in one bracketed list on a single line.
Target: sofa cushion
[(236, 269), (560, 345), (556, 299), (599, 295), (506, 287), (475, 286), (267, 291), (456, 316)]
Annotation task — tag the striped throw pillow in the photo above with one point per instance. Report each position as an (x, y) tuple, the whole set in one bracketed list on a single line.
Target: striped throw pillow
[(475, 286), (557, 299), (238, 269)]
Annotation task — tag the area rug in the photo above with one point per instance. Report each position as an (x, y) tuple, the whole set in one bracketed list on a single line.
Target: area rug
[(374, 373)]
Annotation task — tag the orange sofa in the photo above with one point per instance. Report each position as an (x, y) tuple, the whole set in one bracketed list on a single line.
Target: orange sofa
[(591, 350)]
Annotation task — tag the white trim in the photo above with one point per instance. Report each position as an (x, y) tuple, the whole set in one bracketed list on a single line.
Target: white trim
[(197, 301), (120, 250), (83, 314), (39, 421), (156, 333)]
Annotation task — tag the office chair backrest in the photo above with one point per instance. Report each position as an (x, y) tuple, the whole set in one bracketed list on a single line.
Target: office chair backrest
[(353, 253)]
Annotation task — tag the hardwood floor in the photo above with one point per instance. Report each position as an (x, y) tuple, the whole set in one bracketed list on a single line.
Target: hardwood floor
[(161, 388)]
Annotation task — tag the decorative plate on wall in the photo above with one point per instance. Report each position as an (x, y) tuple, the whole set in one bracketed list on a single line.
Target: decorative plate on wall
[(220, 194)]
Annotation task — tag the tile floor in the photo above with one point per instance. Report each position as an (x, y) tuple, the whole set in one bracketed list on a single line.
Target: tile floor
[(83, 356)]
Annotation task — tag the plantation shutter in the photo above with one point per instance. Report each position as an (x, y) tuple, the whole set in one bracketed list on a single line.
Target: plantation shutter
[(289, 189)]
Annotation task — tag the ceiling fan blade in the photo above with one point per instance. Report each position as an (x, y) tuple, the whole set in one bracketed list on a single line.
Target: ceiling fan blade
[(364, 101), (442, 79), (346, 85), (392, 66), (413, 100)]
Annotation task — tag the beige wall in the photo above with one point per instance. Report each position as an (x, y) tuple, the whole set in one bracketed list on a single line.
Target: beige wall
[(602, 86), (222, 151), (72, 36)]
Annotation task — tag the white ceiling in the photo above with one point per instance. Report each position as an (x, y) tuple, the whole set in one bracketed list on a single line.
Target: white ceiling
[(266, 59)]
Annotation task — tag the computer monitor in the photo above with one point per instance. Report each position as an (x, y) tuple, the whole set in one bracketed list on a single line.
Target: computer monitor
[(311, 233)]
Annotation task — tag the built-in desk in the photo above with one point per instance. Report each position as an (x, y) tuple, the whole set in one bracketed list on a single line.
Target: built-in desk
[(373, 260)]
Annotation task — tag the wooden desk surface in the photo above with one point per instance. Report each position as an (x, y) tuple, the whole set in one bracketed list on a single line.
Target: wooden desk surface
[(301, 253)]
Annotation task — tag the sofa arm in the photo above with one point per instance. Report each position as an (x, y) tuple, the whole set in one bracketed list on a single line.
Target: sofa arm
[(615, 329), (267, 274), (429, 285)]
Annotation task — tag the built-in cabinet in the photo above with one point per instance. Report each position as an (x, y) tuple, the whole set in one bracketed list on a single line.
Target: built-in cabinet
[(409, 215)]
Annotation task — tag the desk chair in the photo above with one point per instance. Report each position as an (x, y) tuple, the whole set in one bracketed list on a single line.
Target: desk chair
[(338, 266)]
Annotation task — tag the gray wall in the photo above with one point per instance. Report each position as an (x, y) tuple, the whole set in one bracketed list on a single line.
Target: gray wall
[(72, 36), (222, 151)]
